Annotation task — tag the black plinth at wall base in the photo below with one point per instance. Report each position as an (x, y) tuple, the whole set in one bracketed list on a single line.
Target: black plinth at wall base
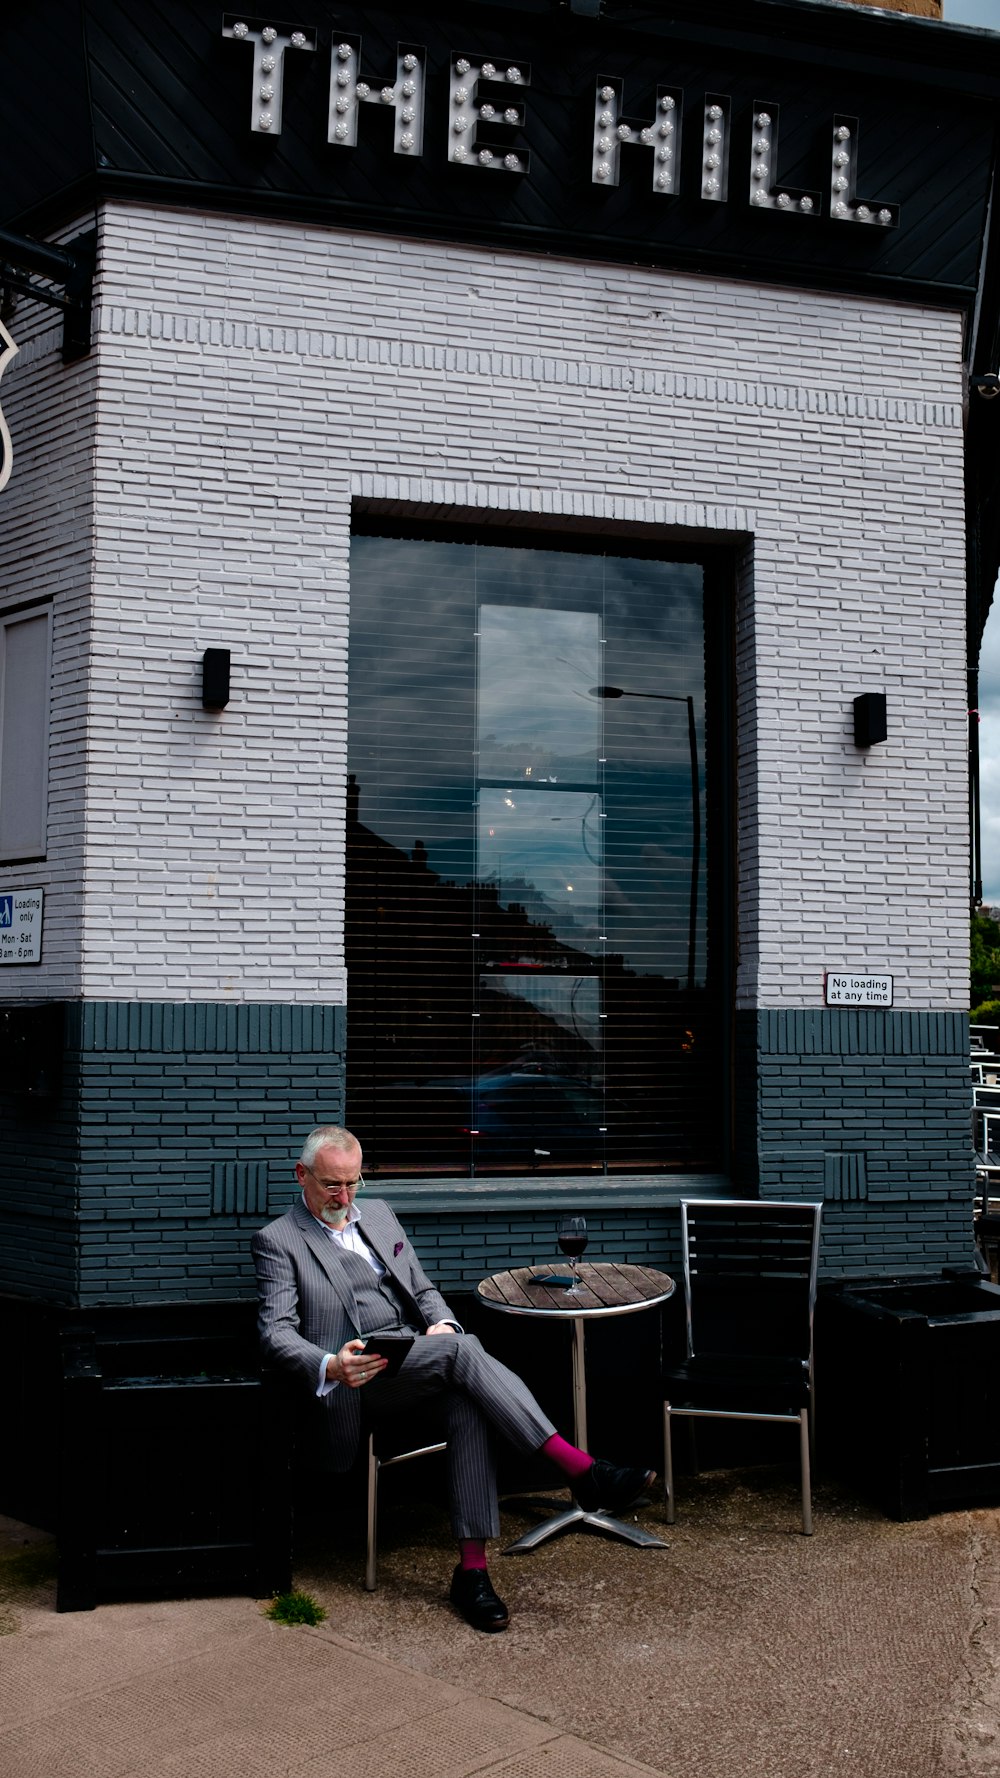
[(908, 1390), (173, 1465)]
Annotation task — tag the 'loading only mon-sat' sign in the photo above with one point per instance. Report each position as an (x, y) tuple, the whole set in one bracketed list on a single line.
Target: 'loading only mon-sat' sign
[(21, 925)]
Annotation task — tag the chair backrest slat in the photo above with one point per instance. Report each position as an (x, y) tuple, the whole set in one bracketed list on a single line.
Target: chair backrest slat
[(750, 1272)]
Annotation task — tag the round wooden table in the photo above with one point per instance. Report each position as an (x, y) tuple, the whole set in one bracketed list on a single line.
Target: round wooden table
[(605, 1289)]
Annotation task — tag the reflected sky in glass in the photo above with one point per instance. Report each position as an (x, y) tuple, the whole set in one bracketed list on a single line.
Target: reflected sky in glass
[(538, 718), (541, 850)]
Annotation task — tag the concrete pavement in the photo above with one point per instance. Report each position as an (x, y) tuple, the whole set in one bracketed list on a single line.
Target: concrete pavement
[(744, 1650)]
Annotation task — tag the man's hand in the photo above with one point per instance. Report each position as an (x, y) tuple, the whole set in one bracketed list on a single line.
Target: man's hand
[(441, 1327), (352, 1366)]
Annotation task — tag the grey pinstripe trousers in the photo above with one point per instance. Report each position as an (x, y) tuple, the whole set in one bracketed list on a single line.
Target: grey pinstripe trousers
[(481, 1397)]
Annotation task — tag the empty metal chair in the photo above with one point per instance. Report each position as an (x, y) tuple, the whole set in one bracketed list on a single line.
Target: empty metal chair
[(750, 1294)]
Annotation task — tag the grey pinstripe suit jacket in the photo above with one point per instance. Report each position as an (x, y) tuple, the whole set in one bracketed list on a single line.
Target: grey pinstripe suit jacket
[(307, 1307)]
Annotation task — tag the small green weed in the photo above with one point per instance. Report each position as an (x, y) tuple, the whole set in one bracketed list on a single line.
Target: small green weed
[(295, 1608)]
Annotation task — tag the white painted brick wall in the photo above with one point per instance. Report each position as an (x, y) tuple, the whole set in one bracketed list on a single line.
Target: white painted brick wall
[(255, 377)]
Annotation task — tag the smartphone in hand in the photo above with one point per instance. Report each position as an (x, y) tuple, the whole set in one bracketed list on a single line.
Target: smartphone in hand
[(392, 1346)]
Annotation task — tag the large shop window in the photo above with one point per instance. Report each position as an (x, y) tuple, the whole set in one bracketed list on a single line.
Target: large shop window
[(24, 732), (534, 925)]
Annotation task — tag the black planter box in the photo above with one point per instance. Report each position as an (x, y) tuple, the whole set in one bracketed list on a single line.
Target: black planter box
[(173, 1456), (908, 1390)]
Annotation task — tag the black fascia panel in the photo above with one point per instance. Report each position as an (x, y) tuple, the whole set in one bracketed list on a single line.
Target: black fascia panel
[(171, 97), (47, 139)]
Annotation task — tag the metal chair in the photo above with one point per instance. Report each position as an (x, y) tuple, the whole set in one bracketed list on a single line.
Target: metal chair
[(986, 1149), (750, 1293), (376, 1463), (986, 1224)]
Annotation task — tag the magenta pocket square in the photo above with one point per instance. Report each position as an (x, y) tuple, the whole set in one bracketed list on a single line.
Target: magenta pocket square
[(397, 1250)]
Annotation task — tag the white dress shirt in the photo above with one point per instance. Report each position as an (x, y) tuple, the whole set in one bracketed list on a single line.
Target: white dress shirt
[(346, 1236), (349, 1236)]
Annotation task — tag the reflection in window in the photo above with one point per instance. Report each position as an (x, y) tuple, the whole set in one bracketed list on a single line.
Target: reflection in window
[(531, 982), (539, 850), (538, 720)]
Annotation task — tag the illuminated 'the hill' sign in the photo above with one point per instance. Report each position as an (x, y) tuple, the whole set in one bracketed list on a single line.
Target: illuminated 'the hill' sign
[(487, 114)]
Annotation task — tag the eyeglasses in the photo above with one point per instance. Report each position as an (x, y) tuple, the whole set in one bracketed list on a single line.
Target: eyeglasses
[(332, 1185)]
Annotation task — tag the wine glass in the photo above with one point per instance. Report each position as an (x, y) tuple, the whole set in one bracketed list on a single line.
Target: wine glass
[(572, 1235)]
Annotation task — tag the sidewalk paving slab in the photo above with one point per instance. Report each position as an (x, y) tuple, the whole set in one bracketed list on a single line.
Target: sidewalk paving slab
[(121, 1692), (743, 1650)]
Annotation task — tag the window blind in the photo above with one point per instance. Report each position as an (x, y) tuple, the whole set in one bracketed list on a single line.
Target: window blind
[(530, 966)]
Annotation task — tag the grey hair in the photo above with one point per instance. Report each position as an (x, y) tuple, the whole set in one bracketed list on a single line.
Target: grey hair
[(326, 1136)]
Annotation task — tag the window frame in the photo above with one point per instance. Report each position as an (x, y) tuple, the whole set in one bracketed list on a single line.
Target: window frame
[(721, 560), (27, 853)]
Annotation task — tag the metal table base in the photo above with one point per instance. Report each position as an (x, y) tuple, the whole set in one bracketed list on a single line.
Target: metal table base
[(577, 1515)]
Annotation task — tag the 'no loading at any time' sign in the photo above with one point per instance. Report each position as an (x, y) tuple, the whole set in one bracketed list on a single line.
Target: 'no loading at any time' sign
[(847, 989)]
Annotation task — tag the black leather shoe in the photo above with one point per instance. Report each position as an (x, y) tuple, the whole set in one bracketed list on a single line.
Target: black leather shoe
[(472, 1593), (605, 1488)]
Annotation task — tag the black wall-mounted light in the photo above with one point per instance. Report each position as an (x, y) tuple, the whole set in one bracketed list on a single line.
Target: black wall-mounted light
[(215, 679), (870, 723)]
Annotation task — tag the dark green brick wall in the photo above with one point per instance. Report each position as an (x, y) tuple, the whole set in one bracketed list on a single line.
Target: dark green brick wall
[(870, 1111), (190, 1119), (173, 1133), (39, 1175), (458, 1250)]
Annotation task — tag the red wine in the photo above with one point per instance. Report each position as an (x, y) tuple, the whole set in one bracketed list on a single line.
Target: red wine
[(573, 1245)]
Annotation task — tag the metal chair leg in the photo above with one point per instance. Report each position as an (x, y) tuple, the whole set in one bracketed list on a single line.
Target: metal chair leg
[(812, 1420), (807, 1520), (375, 1464), (668, 1463), (371, 1552)]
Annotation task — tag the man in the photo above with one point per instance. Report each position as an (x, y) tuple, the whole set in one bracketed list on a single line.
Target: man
[(330, 1274)]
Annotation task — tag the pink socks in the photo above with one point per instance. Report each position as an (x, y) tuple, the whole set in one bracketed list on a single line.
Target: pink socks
[(566, 1457), (573, 1463)]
